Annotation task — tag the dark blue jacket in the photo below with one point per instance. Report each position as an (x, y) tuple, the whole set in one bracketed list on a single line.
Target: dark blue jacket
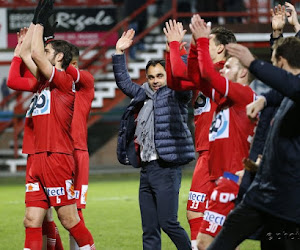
[(172, 137), (276, 186)]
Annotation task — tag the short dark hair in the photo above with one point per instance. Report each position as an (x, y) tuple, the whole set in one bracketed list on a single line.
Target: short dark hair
[(162, 62), (64, 47), (74, 50), (223, 35), (288, 48)]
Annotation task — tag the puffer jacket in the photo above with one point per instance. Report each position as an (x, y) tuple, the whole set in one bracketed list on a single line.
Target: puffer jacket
[(172, 137)]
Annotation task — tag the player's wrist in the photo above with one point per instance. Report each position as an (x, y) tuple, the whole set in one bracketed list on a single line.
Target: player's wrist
[(277, 33)]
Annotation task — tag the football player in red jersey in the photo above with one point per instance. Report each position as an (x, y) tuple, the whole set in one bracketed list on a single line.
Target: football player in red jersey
[(50, 181), (230, 132), (187, 77)]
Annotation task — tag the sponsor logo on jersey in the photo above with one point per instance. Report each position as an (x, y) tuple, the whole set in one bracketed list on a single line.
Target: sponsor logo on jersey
[(220, 126), (195, 196), (40, 103), (201, 105), (32, 187), (83, 197), (55, 191), (213, 217), (32, 105), (70, 189)]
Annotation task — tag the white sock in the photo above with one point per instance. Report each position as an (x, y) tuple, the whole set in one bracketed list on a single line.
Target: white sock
[(194, 244), (73, 243)]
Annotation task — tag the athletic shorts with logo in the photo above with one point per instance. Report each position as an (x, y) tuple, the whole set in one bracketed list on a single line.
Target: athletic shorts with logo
[(221, 202), (49, 180), (201, 185)]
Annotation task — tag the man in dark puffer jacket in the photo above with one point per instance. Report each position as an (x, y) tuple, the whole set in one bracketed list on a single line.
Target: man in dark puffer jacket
[(164, 145)]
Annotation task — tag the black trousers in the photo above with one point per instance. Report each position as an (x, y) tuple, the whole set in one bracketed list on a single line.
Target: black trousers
[(158, 197), (244, 220)]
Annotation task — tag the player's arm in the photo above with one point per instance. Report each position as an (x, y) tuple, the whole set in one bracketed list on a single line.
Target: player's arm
[(81, 77), (25, 52), (178, 67), (38, 52), (237, 93), (16, 81), (37, 43), (174, 82)]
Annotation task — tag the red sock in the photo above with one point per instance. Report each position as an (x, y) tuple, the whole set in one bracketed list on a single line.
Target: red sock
[(82, 235), (80, 214), (49, 230), (195, 226), (33, 238), (58, 244)]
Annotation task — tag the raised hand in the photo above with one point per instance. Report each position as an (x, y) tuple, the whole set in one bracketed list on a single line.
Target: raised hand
[(240, 52), (174, 31), (291, 15), (278, 19), (20, 37), (199, 28), (124, 41)]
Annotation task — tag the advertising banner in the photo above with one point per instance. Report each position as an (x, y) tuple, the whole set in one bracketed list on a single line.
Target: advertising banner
[(80, 26)]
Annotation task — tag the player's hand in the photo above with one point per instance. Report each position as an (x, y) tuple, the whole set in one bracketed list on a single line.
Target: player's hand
[(291, 15), (240, 52), (174, 31), (20, 37), (278, 20), (199, 28), (124, 41), (253, 108)]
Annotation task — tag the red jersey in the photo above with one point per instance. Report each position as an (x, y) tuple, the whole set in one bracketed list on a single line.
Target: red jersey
[(84, 84), (52, 111), (204, 108), (21, 79), (231, 131)]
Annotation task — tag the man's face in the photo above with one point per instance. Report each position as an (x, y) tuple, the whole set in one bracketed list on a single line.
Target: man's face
[(50, 54), (231, 69), (156, 76)]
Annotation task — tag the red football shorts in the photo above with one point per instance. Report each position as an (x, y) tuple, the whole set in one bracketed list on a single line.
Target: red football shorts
[(221, 202), (49, 180), (81, 178), (198, 195)]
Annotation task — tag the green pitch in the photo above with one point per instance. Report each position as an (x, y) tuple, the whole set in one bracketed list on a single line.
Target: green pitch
[(112, 214)]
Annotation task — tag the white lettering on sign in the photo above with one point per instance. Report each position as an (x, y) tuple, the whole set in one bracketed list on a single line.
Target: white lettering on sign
[(67, 20)]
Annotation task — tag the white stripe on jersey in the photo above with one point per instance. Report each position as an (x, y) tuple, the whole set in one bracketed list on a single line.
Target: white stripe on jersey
[(227, 88), (78, 76), (52, 75)]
